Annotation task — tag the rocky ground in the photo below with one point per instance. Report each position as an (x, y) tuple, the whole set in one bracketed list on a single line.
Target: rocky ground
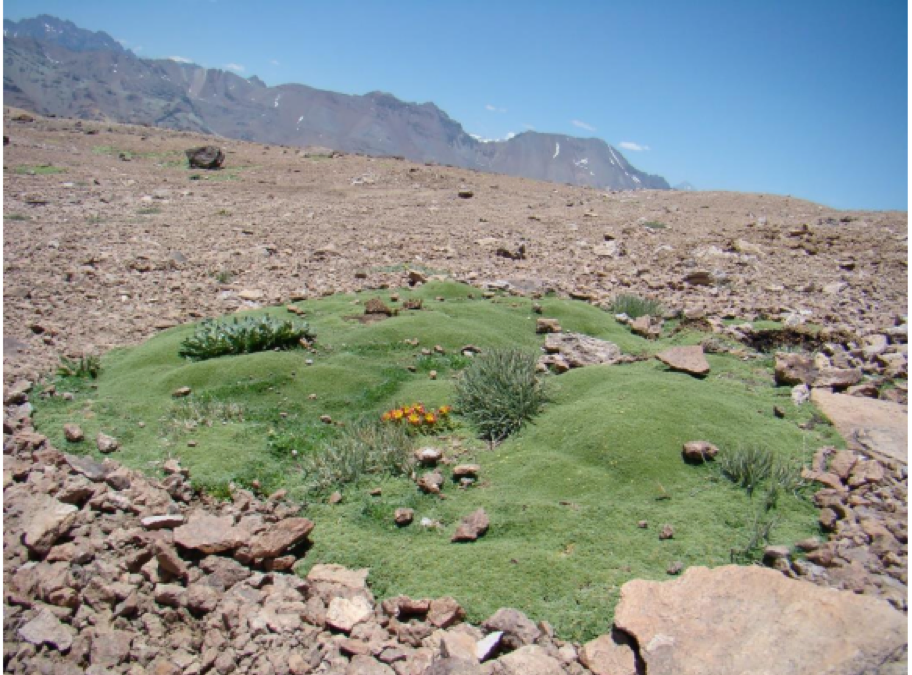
[(109, 571)]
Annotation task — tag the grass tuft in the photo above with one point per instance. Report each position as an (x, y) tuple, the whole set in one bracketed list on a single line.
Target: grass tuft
[(500, 391), (634, 306), (362, 449)]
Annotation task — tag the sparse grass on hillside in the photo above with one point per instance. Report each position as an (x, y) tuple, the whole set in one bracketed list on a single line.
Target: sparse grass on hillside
[(39, 170), (564, 494)]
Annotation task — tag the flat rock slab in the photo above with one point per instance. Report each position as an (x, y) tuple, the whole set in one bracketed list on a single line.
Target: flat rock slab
[(582, 350), (208, 533), (280, 537), (867, 424), (688, 360), (755, 621)]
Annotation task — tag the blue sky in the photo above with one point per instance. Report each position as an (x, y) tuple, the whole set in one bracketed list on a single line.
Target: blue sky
[(808, 98)]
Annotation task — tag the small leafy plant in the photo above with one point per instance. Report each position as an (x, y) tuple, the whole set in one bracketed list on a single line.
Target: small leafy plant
[(416, 418), (85, 366), (246, 336), (500, 391), (634, 306)]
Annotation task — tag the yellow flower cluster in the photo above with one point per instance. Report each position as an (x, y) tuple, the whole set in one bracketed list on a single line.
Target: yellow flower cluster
[(417, 416)]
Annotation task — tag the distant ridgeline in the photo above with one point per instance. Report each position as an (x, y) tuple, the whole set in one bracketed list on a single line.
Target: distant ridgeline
[(54, 67)]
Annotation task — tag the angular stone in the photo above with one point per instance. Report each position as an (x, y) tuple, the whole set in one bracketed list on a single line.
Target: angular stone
[(839, 378), (452, 666), (404, 516), (88, 467), (431, 482), (518, 630), (444, 612), (166, 522), (794, 369), (47, 629), (457, 646), (208, 533), (578, 350), (106, 444), (605, 656), (466, 471), (344, 614), (842, 463), (377, 306), (698, 452), (530, 660), (284, 535), (472, 526), (328, 581), (428, 456), (720, 621), (110, 648), (688, 360), (547, 326), (168, 560), (46, 520), (868, 471), (73, 433), (366, 665), (868, 424)]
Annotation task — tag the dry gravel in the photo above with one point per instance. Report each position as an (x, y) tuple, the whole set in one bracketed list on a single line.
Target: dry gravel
[(115, 250)]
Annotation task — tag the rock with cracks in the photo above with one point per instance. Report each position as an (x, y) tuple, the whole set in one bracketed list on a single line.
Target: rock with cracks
[(753, 621)]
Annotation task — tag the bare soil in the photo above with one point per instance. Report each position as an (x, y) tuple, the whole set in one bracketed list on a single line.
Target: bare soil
[(124, 241)]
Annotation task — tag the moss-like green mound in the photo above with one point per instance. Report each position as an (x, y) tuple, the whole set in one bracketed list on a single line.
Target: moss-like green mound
[(564, 495)]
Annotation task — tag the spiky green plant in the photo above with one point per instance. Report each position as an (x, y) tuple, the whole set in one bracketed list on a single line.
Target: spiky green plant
[(500, 391), (245, 336), (85, 366), (634, 306)]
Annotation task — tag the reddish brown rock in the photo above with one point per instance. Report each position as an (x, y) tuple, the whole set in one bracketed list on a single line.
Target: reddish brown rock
[(698, 452), (688, 360), (208, 533), (472, 526), (605, 656), (280, 537)]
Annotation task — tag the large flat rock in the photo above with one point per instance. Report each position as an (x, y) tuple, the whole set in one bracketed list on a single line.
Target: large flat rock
[(755, 621), (867, 425)]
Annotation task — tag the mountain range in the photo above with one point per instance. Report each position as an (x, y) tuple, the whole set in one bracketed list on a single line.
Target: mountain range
[(52, 66)]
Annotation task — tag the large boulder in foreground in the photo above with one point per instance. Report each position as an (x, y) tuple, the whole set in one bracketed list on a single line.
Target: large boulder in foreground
[(753, 621)]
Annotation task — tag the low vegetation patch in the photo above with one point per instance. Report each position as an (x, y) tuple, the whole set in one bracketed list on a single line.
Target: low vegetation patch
[(564, 494), (244, 336), (85, 366), (39, 170)]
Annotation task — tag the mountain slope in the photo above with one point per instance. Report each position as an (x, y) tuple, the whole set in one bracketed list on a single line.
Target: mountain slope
[(54, 67)]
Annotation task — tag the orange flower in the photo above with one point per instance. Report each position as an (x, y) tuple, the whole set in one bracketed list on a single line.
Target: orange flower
[(419, 408), (414, 419), (430, 418), (387, 416), (444, 410), (397, 414)]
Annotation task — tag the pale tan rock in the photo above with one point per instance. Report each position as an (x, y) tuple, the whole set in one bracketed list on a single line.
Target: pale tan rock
[(689, 360), (46, 520), (530, 660), (605, 656), (344, 613), (755, 621)]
